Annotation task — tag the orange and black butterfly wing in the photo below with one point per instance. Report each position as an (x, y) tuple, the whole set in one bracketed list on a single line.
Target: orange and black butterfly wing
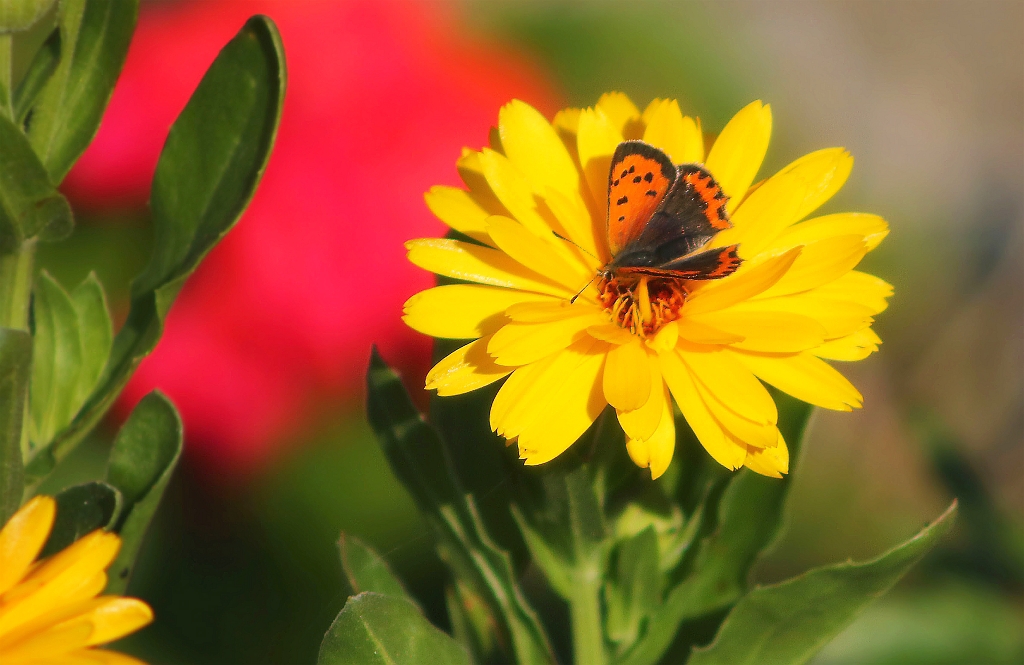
[(709, 264), (692, 212), (640, 177)]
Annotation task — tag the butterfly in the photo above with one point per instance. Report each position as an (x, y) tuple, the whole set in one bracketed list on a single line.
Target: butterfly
[(661, 215)]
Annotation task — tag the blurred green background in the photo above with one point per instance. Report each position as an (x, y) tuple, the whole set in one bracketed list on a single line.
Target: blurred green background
[(929, 98)]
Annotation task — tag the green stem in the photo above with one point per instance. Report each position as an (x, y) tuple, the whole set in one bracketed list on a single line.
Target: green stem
[(585, 614), (16, 285), (7, 74)]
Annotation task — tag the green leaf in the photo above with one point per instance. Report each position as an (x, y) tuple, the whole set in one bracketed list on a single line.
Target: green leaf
[(40, 70), (71, 344), (80, 510), (634, 591), (420, 460), (376, 629), (787, 623), (94, 41), (210, 166), (366, 570), (30, 205), (19, 15), (15, 372), (144, 456), (747, 519)]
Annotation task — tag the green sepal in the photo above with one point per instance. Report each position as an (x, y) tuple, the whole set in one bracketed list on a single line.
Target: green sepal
[(145, 454), (15, 374), (82, 509), (377, 629), (787, 623), (419, 458), (210, 166)]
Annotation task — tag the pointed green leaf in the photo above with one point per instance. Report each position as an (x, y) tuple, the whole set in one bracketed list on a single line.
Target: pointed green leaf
[(58, 360), (94, 42), (213, 159), (144, 456), (40, 70), (30, 205), (96, 333), (80, 510), (15, 373), (787, 623), (374, 629), (366, 570), (420, 459)]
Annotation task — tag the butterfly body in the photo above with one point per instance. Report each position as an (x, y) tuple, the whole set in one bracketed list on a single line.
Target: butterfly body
[(661, 216)]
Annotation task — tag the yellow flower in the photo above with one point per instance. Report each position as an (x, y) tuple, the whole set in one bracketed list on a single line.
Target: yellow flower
[(537, 204), (50, 610)]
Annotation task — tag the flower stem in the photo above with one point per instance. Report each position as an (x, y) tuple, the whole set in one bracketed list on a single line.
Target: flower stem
[(585, 613), (16, 285), (6, 74)]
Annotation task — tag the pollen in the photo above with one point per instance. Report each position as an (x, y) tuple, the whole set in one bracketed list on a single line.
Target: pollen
[(642, 304)]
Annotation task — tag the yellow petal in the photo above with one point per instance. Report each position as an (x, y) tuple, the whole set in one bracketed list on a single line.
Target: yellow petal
[(736, 156), (819, 263), (732, 384), (465, 369), (744, 431), (472, 173), (540, 256), (621, 112), (552, 310), (710, 434), (611, 333), (806, 378), (665, 339), (23, 537), (836, 317), (574, 217), (746, 283), (656, 451), (508, 406), (856, 346), (482, 265), (824, 172), (117, 617), (773, 461), (701, 333), (668, 130), (769, 331), (762, 216), (458, 209), (533, 146), (48, 645), (857, 287), (463, 311), (565, 123), (521, 343), (89, 656), (643, 421), (514, 191), (596, 139), (627, 376), (567, 414), (871, 227)]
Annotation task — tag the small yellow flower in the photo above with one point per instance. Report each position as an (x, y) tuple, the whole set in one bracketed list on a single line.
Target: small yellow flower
[(50, 610), (536, 205)]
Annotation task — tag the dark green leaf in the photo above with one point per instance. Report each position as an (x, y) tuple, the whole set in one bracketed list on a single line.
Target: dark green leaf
[(788, 623), (144, 456), (210, 166), (386, 630), (15, 371), (634, 591), (42, 67), (80, 510), (94, 41), (366, 570), (57, 351), (96, 333), (420, 460), (19, 15), (30, 205)]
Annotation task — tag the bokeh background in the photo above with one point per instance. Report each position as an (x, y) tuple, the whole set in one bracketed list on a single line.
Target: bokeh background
[(266, 347)]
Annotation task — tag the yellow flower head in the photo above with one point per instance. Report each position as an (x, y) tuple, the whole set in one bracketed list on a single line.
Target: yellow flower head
[(50, 610), (536, 205)]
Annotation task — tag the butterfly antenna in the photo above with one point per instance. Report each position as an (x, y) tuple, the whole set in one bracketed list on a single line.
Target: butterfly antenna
[(580, 292), (577, 246)]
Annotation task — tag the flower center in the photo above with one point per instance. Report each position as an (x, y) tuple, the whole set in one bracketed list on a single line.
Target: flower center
[(642, 304)]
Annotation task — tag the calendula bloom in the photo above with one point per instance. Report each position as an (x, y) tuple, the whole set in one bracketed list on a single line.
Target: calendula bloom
[(535, 209), (51, 612)]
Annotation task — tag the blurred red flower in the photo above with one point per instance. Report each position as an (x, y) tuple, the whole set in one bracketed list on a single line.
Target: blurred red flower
[(277, 322)]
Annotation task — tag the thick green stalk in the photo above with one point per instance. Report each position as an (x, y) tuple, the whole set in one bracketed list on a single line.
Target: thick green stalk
[(16, 285), (585, 615), (6, 74)]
